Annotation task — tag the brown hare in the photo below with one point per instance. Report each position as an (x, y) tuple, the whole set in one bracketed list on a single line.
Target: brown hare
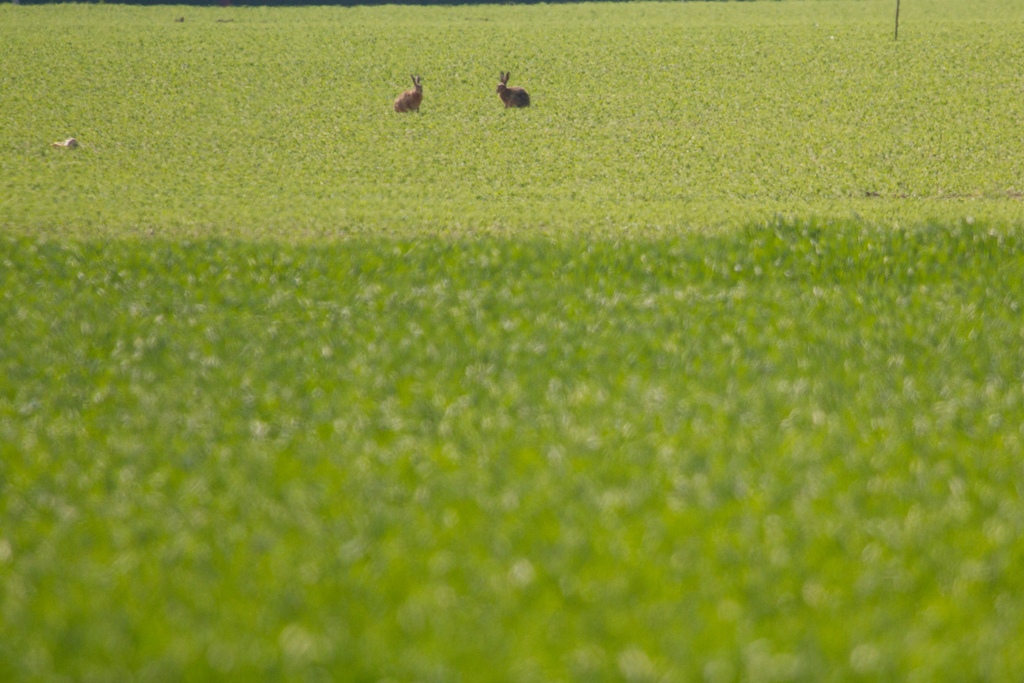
[(410, 99), (514, 96)]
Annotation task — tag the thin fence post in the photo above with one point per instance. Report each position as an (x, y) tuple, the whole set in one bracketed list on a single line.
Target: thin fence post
[(896, 35)]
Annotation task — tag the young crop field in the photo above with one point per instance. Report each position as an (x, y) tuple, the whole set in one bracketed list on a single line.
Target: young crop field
[(278, 122), (707, 366)]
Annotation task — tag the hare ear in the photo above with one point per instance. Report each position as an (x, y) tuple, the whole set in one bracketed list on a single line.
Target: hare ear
[(413, 79)]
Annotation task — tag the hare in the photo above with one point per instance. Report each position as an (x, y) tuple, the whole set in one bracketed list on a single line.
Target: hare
[(410, 99), (70, 143), (514, 96)]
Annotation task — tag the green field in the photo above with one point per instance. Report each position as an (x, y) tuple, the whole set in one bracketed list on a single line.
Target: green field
[(709, 366), (646, 116)]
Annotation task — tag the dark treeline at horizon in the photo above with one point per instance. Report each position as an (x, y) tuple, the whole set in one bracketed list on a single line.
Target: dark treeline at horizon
[(327, 3)]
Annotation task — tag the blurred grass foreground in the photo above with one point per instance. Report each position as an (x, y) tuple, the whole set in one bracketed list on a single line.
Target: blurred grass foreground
[(788, 453)]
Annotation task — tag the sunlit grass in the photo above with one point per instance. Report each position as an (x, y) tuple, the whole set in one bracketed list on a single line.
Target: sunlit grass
[(279, 122)]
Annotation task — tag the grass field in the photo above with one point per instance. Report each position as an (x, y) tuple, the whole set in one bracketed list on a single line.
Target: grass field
[(706, 367), (646, 116)]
